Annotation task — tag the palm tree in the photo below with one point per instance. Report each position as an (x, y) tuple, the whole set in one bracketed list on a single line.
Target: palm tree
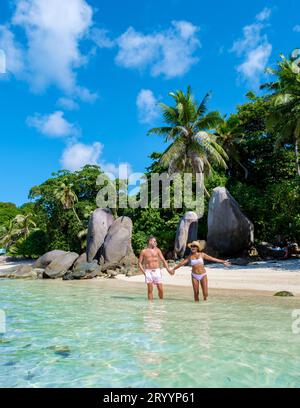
[(19, 228), (284, 117), (67, 198), (229, 131), (194, 148)]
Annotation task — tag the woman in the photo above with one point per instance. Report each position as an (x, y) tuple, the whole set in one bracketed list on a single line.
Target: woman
[(199, 274)]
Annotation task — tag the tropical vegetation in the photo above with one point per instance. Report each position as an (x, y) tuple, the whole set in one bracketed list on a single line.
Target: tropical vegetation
[(254, 152)]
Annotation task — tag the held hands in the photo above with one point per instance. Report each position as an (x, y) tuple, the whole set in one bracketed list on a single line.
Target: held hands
[(227, 264), (171, 271)]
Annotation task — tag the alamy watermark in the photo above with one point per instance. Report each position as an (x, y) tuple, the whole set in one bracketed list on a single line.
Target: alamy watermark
[(2, 62), (2, 322), (296, 321), (138, 190)]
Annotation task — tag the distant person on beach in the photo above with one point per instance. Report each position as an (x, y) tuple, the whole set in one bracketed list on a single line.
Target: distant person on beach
[(199, 274), (149, 263)]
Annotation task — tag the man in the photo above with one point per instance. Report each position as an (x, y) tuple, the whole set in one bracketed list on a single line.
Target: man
[(149, 264)]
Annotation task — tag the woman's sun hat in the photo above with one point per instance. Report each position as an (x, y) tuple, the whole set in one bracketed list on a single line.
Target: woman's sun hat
[(199, 244)]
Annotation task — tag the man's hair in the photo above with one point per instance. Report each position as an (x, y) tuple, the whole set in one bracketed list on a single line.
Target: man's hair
[(151, 237)]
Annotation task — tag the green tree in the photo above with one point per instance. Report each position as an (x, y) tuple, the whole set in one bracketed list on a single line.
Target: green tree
[(8, 211), (19, 228), (193, 147), (67, 197), (230, 134), (284, 116)]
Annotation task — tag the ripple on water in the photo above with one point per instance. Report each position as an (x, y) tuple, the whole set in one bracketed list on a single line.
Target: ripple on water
[(92, 335)]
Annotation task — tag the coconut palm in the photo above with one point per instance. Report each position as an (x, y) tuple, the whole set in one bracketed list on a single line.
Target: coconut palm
[(67, 198), (229, 132), (19, 228), (284, 117), (193, 147)]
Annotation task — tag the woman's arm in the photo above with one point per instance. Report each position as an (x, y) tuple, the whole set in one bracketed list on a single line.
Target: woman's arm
[(212, 259), (184, 262)]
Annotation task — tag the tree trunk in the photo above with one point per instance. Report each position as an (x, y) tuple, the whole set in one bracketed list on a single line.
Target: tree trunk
[(76, 215), (297, 156), (244, 168)]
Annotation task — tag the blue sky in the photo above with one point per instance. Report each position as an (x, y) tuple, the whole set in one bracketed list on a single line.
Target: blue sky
[(83, 77)]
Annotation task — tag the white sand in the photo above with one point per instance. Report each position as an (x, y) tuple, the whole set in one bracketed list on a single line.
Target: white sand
[(260, 276), (8, 265), (270, 276)]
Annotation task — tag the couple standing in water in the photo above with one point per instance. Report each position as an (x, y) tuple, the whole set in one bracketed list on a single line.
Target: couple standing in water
[(151, 257)]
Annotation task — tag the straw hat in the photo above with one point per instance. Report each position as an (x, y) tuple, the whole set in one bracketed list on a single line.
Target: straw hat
[(199, 244)]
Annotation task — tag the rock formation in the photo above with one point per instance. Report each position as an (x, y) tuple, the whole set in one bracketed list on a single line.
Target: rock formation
[(59, 267), (44, 260), (187, 231), (229, 231), (117, 249), (100, 221)]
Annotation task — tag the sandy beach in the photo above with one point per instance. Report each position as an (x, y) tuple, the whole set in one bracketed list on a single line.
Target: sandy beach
[(268, 277)]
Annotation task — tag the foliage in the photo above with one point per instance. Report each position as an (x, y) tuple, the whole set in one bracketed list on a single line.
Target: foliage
[(258, 143), (193, 147)]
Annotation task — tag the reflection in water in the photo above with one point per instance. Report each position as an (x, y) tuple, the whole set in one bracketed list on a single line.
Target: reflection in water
[(119, 339), (150, 356)]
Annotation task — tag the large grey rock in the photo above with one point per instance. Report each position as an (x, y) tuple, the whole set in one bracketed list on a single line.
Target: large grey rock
[(81, 260), (230, 232), (284, 293), (19, 272), (59, 267), (99, 223), (117, 247), (44, 260), (187, 232), (83, 271)]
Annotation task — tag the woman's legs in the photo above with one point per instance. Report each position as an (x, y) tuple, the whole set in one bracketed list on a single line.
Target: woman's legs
[(196, 289), (204, 286)]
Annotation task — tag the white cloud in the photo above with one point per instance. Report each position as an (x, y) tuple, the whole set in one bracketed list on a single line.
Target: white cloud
[(54, 125), (169, 52), (264, 15), (255, 63), (13, 52), (147, 106), (67, 103), (255, 49), (51, 54), (101, 38), (122, 170), (77, 155), (297, 28)]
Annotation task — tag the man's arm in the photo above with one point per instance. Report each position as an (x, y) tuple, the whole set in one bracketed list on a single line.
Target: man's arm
[(162, 258), (140, 263), (211, 259)]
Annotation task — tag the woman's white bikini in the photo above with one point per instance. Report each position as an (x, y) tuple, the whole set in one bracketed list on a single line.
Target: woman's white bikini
[(198, 261)]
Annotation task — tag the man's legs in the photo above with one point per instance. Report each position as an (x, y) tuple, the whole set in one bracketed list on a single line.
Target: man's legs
[(150, 291), (160, 290)]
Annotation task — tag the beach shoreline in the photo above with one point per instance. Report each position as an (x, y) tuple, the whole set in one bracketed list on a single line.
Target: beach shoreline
[(263, 278)]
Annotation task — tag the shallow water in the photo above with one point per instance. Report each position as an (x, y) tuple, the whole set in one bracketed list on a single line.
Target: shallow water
[(106, 334)]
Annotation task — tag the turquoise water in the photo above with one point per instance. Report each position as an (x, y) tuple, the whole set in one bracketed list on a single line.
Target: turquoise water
[(105, 334)]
